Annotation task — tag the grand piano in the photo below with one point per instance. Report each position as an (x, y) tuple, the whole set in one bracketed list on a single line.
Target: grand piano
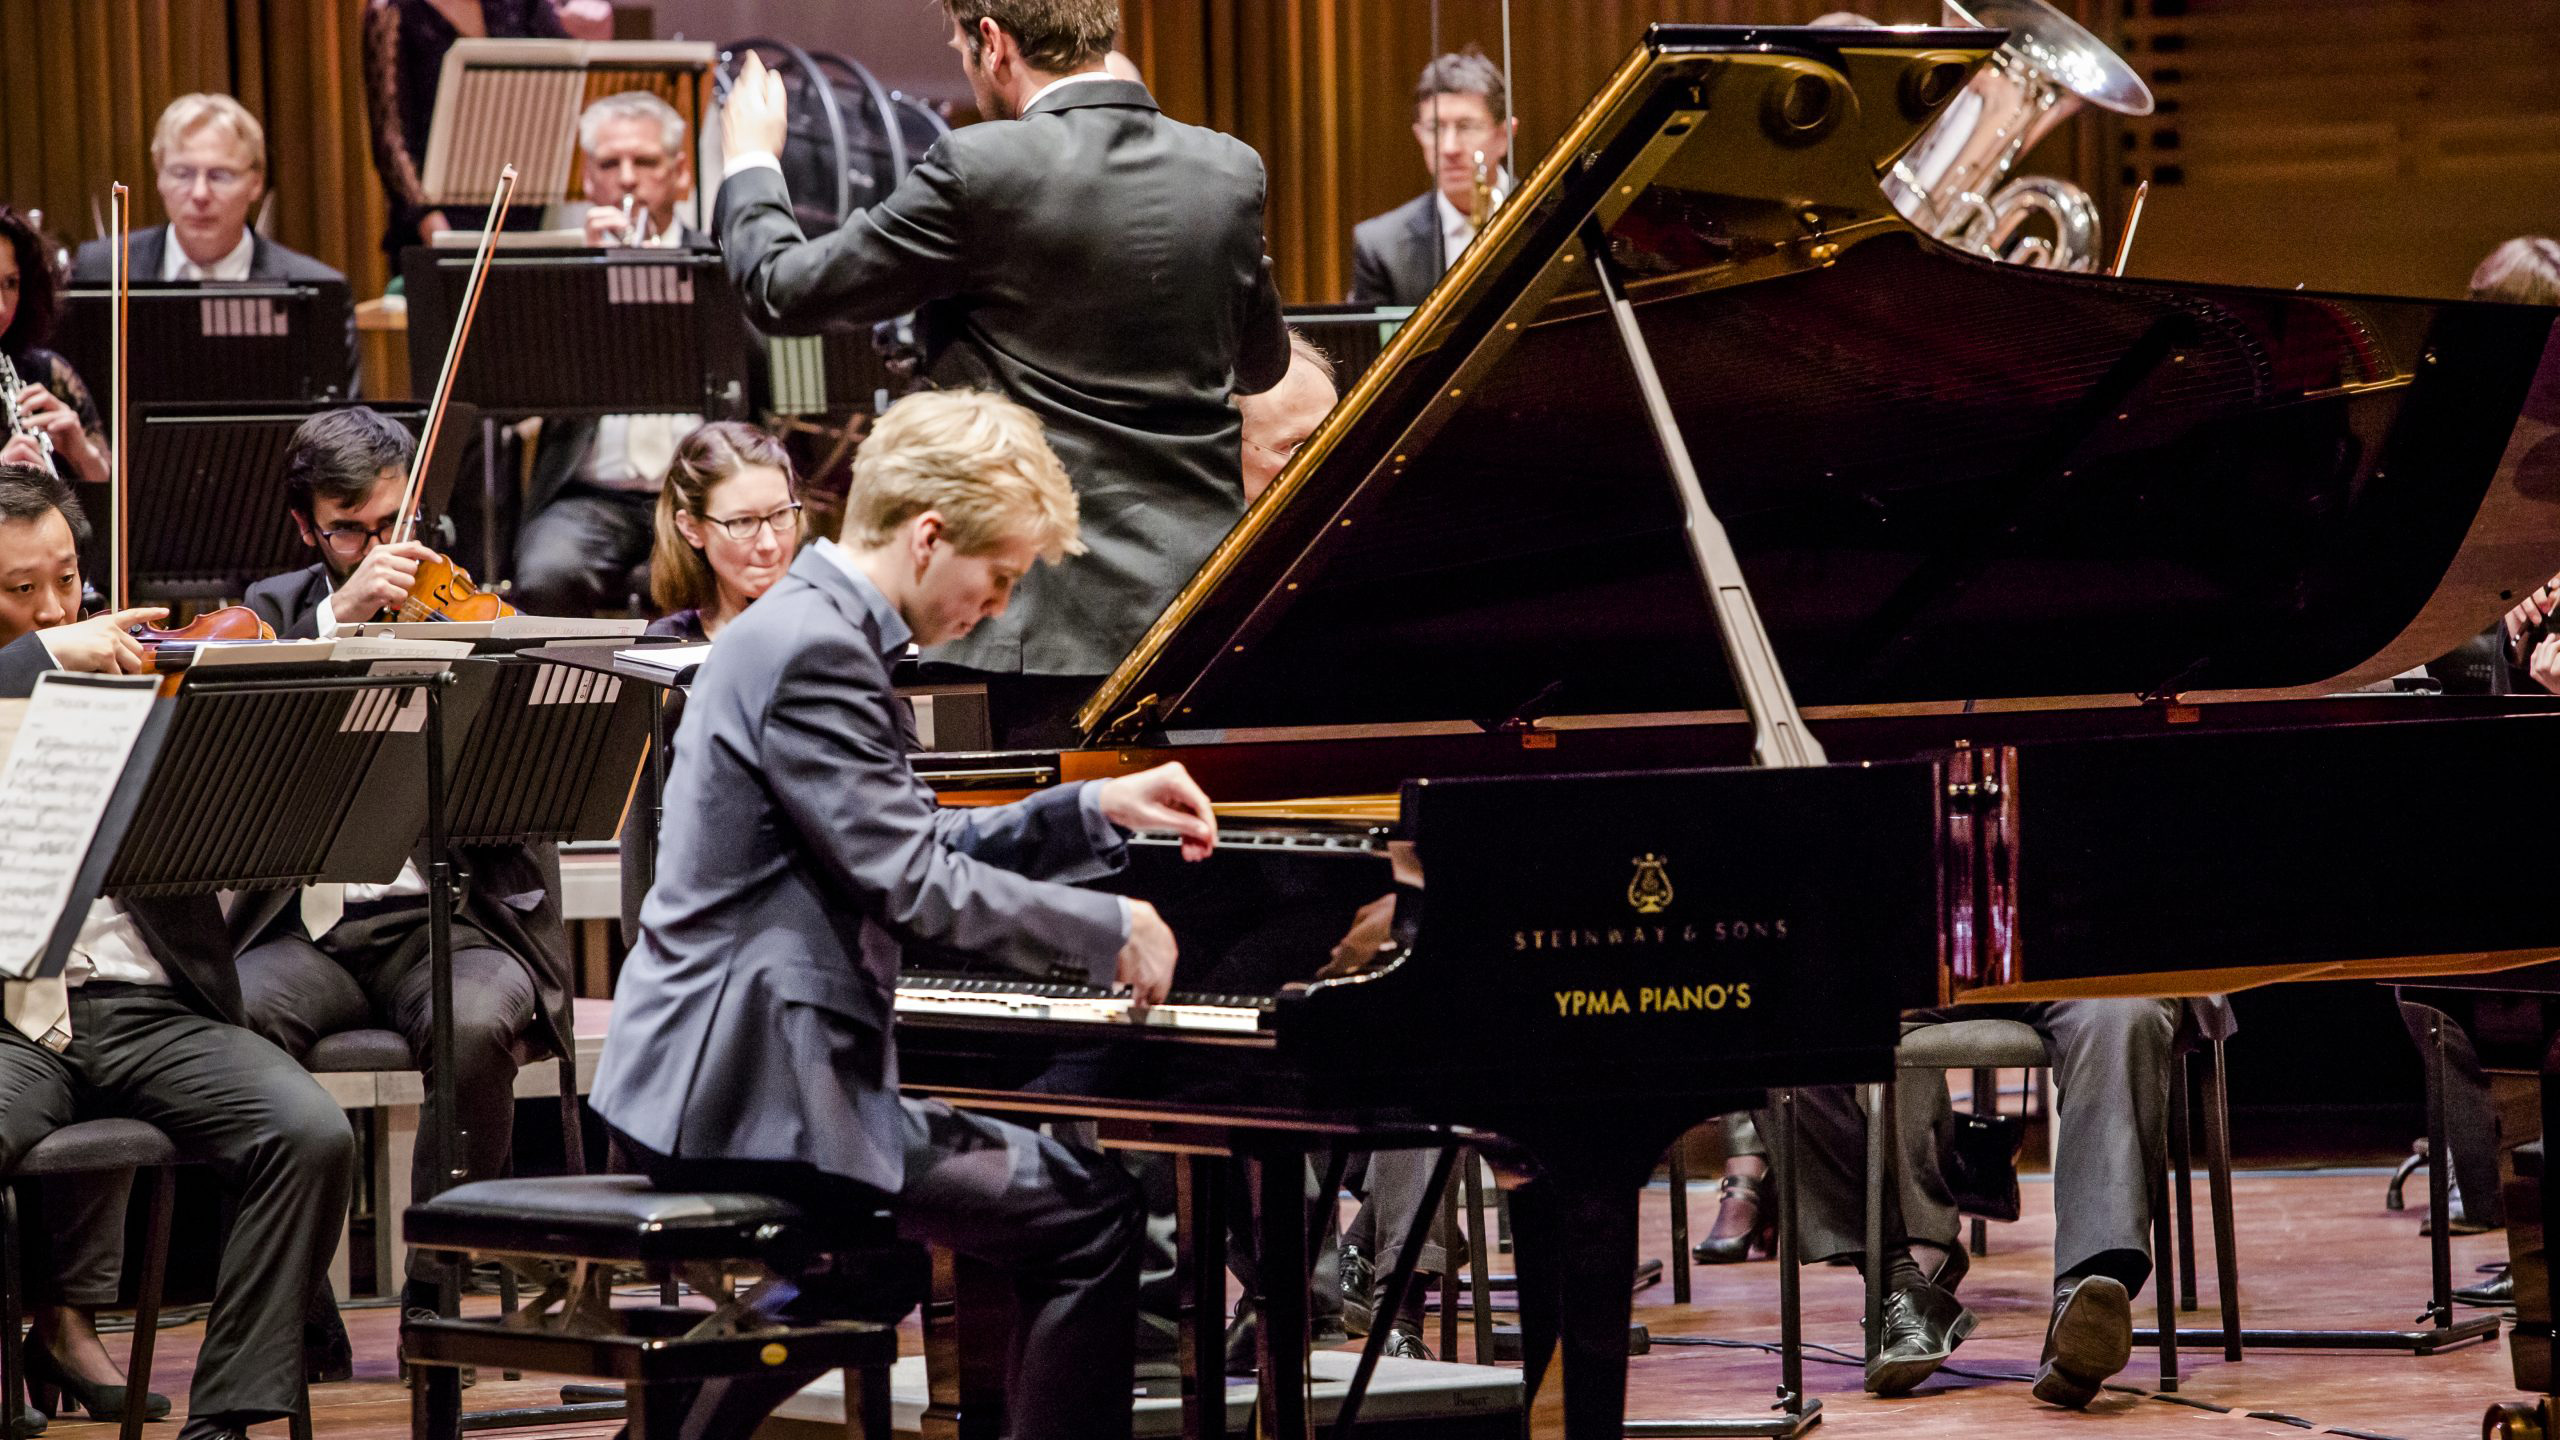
[(1724, 617)]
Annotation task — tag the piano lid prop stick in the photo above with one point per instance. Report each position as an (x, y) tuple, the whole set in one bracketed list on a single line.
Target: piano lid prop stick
[(2132, 221)]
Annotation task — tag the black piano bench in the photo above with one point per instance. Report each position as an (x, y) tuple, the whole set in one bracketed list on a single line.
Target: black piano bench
[(570, 1235)]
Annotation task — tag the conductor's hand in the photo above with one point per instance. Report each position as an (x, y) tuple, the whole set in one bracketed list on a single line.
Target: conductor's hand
[(99, 644), (754, 120), (380, 583), (1146, 962), (1164, 798)]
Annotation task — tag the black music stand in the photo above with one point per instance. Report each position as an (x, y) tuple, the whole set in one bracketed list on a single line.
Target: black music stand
[(1352, 336), (579, 332), (209, 517), (263, 341)]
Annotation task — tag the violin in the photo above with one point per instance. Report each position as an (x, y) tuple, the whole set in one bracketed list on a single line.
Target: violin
[(231, 622), (443, 589)]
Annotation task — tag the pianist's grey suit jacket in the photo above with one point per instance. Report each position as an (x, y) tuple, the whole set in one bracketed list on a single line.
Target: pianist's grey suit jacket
[(752, 1020)]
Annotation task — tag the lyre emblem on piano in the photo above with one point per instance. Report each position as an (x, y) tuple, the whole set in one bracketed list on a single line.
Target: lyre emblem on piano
[(1650, 890)]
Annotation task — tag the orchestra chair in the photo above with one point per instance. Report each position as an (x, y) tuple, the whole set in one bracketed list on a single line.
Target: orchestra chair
[(95, 1147), (1987, 1046), (391, 1128), (571, 1234)]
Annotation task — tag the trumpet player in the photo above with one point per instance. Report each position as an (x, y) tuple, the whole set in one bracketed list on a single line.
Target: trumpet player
[(1462, 120)]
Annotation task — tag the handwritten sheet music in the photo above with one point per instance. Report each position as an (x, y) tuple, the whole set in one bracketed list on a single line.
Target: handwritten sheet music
[(69, 752)]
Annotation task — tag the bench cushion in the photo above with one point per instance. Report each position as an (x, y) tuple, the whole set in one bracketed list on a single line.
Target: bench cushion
[(357, 1051), (95, 1145), (624, 1218), (1972, 1044)]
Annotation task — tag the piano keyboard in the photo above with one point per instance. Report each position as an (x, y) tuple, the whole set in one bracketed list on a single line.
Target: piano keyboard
[(989, 998)]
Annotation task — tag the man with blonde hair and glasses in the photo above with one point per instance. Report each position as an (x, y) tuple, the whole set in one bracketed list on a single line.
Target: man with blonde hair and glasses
[(209, 155), (752, 1044), (1461, 109)]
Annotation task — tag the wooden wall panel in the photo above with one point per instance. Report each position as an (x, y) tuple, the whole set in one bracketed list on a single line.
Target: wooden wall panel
[(81, 85)]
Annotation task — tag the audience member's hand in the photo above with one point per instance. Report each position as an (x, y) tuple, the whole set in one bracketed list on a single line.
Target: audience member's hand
[(99, 644), (1164, 798), (380, 583), (755, 118), (2531, 611), (1146, 962)]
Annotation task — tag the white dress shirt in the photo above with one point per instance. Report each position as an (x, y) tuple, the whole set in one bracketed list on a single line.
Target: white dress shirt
[(174, 264), (1456, 231), (111, 949)]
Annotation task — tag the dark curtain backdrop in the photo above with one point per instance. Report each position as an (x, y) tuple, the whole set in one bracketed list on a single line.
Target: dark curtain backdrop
[(82, 81)]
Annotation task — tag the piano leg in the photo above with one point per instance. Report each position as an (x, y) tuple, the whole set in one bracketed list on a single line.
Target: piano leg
[(2533, 1419), (1575, 1246), (1201, 1257), (1280, 1224)]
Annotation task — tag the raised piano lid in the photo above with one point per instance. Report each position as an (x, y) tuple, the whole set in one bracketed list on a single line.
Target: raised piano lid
[(1948, 480)]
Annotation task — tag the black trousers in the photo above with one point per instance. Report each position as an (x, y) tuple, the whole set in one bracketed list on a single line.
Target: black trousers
[(296, 993), (2470, 1113), (575, 555), (233, 1102), (1060, 1220)]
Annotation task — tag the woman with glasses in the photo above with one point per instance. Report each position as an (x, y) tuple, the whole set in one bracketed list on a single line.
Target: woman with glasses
[(729, 522)]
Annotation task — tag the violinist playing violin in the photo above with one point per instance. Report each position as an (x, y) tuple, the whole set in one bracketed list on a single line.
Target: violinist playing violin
[(343, 478), (41, 531), (334, 958)]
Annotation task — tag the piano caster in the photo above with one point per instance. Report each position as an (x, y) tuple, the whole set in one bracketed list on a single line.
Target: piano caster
[(2520, 1420)]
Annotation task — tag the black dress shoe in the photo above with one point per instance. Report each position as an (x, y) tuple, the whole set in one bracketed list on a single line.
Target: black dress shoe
[(1923, 1325), (1745, 1221), (1359, 1291), (30, 1422), (327, 1357), (1241, 1331), (2498, 1292), (1405, 1343), (214, 1425), (2089, 1339)]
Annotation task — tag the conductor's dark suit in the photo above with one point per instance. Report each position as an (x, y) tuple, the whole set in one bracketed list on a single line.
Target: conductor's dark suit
[(752, 1043), (268, 261), (1097, 262), (180, 1056)]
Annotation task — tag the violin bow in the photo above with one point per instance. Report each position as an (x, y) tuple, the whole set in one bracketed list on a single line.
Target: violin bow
[(119, 403), (434, 427)]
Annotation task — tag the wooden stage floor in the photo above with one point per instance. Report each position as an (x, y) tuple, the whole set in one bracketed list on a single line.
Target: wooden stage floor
[(2316, 1248)]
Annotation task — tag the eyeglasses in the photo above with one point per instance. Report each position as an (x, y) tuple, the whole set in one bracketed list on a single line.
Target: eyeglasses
[(353, 540), (223, 179), (1470, 133), (744, 527)]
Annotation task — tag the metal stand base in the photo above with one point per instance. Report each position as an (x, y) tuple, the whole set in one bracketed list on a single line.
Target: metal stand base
[(2417, 1342), (1779, 1424)]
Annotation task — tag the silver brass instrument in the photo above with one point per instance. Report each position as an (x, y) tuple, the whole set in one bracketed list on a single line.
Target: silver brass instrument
[(11, 387), (1950, 181), (1480, 203)]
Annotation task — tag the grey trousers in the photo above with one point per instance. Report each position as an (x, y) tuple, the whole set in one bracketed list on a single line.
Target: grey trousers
[(1391, 1183), (575, 555), (2111, 1063), (295, 993), (233, 1102), (1061, 1221)]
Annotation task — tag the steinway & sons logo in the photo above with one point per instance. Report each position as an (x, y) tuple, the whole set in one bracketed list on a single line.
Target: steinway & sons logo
[(1650, 893)]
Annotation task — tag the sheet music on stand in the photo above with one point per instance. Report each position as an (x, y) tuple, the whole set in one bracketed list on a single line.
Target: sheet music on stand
[(607, 332), (267, 341), (502, 102), (208, 512), (253, 775)]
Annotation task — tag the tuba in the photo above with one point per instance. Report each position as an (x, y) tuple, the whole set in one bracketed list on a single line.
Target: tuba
[(1949, 182)]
